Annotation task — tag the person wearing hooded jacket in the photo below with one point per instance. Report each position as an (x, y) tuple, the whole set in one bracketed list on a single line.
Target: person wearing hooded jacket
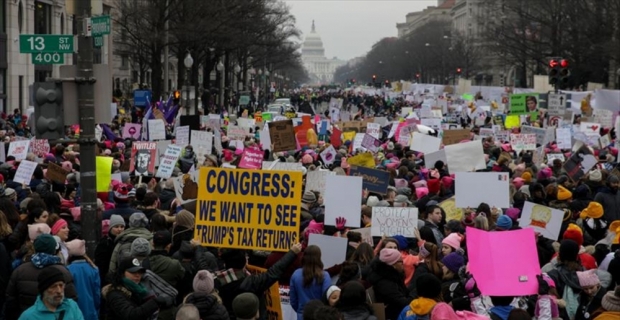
[(352, 303), (137, 229), (609, 198), (429, 294), (388, 280), (564, 275), (205, 298)]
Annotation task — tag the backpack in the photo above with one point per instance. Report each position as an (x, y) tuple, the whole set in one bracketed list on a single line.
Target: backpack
[(160, 287)]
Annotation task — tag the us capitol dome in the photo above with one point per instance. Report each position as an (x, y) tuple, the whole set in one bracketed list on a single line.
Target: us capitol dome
[(320, 69)]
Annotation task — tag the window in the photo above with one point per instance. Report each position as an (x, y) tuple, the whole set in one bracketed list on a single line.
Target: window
[(42, 18), (20, 16), (124, 62), (62, 23), (21, 92), (2, 15)]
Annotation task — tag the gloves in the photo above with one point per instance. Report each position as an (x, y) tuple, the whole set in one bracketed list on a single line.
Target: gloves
[(471, 287), (543, 286), (340, 222), (161, 301)]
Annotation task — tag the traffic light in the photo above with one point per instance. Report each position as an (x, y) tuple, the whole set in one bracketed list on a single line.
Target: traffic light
[(564, 74), (554, 72), (374, 77), (48, 111), (458, 71), (353, 80), (417, 76), (176, 96), (502, 80)]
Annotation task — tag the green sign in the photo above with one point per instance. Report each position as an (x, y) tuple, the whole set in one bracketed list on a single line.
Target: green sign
[(524, 103), (98, 41), (53, 43), (244, 100), (48, 58), (100, 25)]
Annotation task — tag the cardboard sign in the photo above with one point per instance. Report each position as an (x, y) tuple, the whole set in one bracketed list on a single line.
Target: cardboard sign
[(272, 295), (56, 173), (394, 221), (455, 136), (376, 181), (282, 135), (268, 217)]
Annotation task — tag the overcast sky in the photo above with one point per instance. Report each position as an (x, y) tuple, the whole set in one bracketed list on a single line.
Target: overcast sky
[(349, 28)]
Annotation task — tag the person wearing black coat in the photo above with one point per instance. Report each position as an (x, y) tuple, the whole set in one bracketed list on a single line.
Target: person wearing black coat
[(208, 306), (388, 283)]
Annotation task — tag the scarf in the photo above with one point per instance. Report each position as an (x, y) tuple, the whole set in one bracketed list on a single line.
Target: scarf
[(41, 260), (230, 275), (135, 288)]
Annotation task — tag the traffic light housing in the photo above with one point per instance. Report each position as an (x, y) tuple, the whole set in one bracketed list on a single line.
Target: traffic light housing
[(374, 77), (176, 96), (48, 111), (564, 74), (458, 71), (554, 71)]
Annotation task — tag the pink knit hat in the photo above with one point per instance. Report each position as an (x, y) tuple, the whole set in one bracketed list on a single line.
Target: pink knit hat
[(513, 213), (421, 192), (389, 256), (447, 182), (37, 229), (58, 225), (420, 184), (77, 247), (518, 182), (588, 278), (453, 240), (443, 311)]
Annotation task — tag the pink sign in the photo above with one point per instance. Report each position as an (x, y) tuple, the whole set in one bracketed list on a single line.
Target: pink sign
[(39, 147), (132, 130), (252, 158), (371, 143), (501, 272)]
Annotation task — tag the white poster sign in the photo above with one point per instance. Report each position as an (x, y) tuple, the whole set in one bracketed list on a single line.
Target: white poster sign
[(24, 172), (473, 188), (333, 249), (157, 129), (168, 161), (424, 143), (19, 149), (182, 136), (343, 198), (394, 221), (465, 157), (547, 221), (316, 180)]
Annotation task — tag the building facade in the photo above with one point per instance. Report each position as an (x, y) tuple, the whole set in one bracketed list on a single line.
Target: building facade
[(320, 68)]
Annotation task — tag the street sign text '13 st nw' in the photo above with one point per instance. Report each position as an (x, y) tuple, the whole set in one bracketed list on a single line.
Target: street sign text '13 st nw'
[(34, 43)]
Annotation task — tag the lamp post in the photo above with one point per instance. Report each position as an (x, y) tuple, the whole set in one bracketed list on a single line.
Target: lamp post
[(236, 69), (188, 62), (220, 69), (267, 91)]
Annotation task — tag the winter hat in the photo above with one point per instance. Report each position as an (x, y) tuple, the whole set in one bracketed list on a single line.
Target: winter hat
[(544, 173), (77, 247), (162, 238), (245, 306), (306, 159), (331, 290), (513, 213), (588, 278), (421, 192), (67, 166), (372, 201), (203, 282), (433, 186), (595, 175), (611, 300), (185, 219), (389, 256), (443, 311), (573, 232), (58, 225), (309, 197), (48, 276), (447, 182), (518, 182), (527, 177), (569, 250), (46, 243), (138, 220), (37, 229), (121, 193), (504, 222), (116, 220), (140, 247), (453, 240), (401, 242), (593, 210), (454, 261), (564, 194), (428, 285)]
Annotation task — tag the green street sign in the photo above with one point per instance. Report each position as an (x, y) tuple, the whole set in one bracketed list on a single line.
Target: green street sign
[(100, 25), (35, 43), (98, 41), (48, 58)]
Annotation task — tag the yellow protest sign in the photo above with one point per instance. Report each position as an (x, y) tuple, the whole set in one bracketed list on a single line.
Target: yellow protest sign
[(248, 209), (363, 160), (348, 136), (103, 167), (512, 121), (272, 296), (452, 212)]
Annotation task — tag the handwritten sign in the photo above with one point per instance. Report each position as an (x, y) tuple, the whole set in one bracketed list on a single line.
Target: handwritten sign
[(19, 149), (523, 141), (376, 181), (282, 135), (452, 212), (24, 172), (168, 161), (455, 136), (394, 221), (182, 136), (316, 180), (56, 173)]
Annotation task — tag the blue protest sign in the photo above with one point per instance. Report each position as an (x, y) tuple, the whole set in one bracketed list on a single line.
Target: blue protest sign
[(376, 181), (140, 97)]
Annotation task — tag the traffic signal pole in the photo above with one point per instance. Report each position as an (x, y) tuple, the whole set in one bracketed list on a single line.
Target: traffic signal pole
[(86, 106)]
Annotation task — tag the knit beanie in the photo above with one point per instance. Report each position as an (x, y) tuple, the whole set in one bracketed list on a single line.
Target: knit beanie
[(593, 210), (308, 197), (140, 247), (595, 175), (443, 311), (331, 290), (564, 194), (573, 232), (527, 177), (116, 220), (569, 250), (454, 261), (453, 240), (428, 286), (203, 282), (77, 247), (46, 243), (433, 186), (48, 276), (504, 222), (389, 256), (401, 241), (185, 219), (611, 300), (37, 229), (588, 278), (138, 220), (518, 182), (513, 213)]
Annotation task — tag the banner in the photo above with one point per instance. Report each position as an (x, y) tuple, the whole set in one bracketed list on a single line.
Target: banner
[(376, 181), (169, 161), (143, 158), (394, 221), (272, 296), (248, 209)]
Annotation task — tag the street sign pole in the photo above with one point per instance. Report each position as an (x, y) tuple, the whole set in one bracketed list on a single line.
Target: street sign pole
[(91, 224)]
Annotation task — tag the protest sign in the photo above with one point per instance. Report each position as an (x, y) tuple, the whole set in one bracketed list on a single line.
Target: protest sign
[(520, 142), (376, 181), (552, 156), (18, 149), (472, 188), (394, 221), (579, 163), (157, 129), (103, 167), (369, 142), (501, 272), (283, 166), (202, 142), (24, 172), (373, 129), (464, 157), (132, 131), (272, 296), (143, 158), (316, 180), (343, 198), (40, 147), (328, 155), (451, 210), (362, 159), (248, 209), (431, 158), (236, 132), (357, 142), (182, 136), (604, 141), (251, 158), (56, 173), (186, 187), (424, 143), (162, 145), (333, 249), (169, 161), (544, 220), (282, 135), (366, 235), (590, 128), (455, 136), (563, 138)]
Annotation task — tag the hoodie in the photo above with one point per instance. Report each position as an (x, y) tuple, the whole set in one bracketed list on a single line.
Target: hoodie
[(418, 307), (610, 202)]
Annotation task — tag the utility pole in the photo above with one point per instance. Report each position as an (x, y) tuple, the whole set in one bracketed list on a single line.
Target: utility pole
[(166, 54), (86, 106)]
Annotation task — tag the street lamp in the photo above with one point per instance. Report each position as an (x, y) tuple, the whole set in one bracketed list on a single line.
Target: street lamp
[(237, 69), (220, 68), (188, 62)]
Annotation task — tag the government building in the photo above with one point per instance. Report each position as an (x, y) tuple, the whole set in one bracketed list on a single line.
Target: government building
[(320, 69)]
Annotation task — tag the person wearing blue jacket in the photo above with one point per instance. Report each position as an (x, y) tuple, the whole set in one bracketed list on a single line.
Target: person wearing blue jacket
[(51, 302), (86, 279), (308, 282)]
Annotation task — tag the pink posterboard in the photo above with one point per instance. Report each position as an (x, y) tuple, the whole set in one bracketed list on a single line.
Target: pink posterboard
[(503, 263), (252, 158)]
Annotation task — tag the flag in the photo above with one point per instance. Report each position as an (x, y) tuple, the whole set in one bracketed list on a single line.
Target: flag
[(171, 114), (145, 120), (107, 132)]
